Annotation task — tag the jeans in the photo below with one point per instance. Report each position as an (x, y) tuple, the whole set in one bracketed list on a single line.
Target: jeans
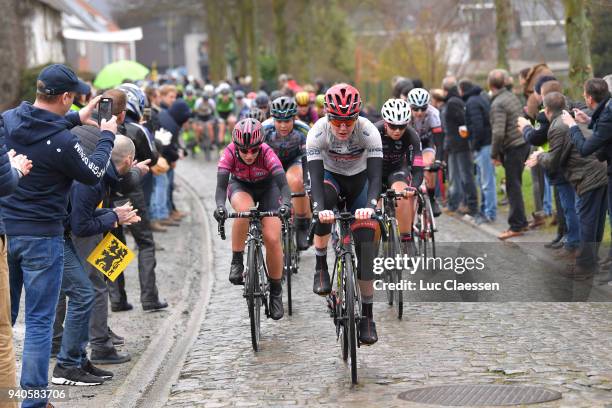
[(77, 286), (567, 196), (7, 356), (514, 162), (462, 181), (548, 198), (486, 180), (592, 207), (170, 175), (537, 188), (159, 199), (37, 264)]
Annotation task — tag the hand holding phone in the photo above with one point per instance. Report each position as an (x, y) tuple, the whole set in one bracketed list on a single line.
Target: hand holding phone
[(105, 109)]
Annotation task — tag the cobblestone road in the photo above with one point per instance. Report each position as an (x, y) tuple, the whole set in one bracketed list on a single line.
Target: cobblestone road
[(562, 346)]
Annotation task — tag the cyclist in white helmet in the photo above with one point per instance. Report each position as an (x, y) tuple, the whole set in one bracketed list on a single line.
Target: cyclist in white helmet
[(425, 120), (402, 162)]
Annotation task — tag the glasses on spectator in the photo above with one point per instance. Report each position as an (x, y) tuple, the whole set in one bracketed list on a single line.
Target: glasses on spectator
[(418, 108), (396, 127), (251, 150), (338, 121)]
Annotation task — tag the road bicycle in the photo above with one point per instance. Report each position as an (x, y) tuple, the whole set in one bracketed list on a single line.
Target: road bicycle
[(256, 285), (291, 253), (345, 298)]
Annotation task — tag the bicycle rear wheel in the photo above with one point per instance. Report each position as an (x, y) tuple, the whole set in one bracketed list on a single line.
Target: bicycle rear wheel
[(289, 248), (429, 229), (350, 313), (396, 273), (253, 299), (385, 252)]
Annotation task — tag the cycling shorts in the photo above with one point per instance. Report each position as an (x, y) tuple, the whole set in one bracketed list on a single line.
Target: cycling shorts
[(266, 194)]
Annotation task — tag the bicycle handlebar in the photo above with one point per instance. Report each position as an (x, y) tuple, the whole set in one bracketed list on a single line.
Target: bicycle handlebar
[(437, 165), (346, 216), (253, 214)]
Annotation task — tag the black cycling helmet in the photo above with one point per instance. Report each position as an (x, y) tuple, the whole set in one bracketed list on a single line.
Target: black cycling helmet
[(257, 114), (262, 100), (283, 107)]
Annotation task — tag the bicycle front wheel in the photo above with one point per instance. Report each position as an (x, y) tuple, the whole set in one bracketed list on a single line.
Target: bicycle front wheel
[(252, 295), (288, 255), (351, 323), (396, 273)]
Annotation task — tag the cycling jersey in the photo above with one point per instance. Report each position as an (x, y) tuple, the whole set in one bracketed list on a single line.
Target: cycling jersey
[(265, 166), (360, 152), (290, 148), (255, 179), (310, 118), (403, 155), (346, 157), (225, 106), (428, 127)]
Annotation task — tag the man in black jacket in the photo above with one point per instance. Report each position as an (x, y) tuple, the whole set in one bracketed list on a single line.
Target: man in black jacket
[(479, 129), (461, 167)]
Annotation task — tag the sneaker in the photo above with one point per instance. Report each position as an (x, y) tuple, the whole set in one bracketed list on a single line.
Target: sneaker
[(157, 227), (321, 285), (121, 307), (98, 372), (74, 376), (110, 356), (367, 331), (482, 219), (115, 338), (236, 273), (149, 307), (555, 241)]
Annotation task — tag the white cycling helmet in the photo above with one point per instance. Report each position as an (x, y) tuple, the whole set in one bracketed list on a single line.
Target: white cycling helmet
[(418, 97), (396, 112)]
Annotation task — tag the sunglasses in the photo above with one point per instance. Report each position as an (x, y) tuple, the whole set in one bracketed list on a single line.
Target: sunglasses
[(396, 127), (338, 121), (282, 119), (251, 150), (418, 109)]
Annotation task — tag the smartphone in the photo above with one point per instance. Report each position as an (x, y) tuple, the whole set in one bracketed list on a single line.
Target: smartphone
[(105, 109)]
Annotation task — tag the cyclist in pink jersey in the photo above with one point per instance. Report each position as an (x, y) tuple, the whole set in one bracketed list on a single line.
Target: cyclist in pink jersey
[(249, 172)]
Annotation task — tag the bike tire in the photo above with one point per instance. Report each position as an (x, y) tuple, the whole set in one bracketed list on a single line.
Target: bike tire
[(350, 312), (396, 249), (386, 252), (288, 266), (252, 286), (340, 299), (429, 229)]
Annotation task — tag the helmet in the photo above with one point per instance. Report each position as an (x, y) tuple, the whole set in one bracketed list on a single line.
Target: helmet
[(418, 97), (396, 112), (209, 89), (257, 114), (320, 100), (262, 101), (224, 88), (283, 107), (302, 98), (248, 133), (251, 95), (275, 94), (136, 99), (342, 100), (239, 94)]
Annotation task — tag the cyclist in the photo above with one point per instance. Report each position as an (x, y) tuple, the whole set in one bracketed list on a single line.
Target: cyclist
[(402, 162), (425, 119), (262, 102), (320, 105), (289, 142), (344, 154), (257, 114), (257, 176), (224, 104), (305, 111)]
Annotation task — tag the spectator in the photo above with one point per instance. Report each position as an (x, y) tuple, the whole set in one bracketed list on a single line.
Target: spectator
[(597, 97), (461, 167), (12, 168), (86, 219), (588, 177), (437, 98), (41, 131), (167, 96), (508, 149), (478, 125)]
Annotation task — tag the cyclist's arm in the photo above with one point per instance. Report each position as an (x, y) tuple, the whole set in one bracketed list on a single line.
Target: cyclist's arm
[(415, 159), (281, 181), (316, 171), (221, 192), (374, 180)]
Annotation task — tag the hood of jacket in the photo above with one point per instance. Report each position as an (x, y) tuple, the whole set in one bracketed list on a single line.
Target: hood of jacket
[(474, 91), (29, 125)]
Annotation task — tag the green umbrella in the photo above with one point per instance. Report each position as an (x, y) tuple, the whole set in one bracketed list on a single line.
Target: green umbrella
[(118, 72)]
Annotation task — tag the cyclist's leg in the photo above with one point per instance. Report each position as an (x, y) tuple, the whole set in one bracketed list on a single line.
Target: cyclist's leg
[(429, 156), (322, 284), (231, 122), (241, 199), (301, 205), (221, 132)]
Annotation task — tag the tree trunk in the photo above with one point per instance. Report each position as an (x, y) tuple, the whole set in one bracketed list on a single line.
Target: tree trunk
[(251, 41), (577, 30), (216, 46), (12, 53), (280, 33), (503, 14)]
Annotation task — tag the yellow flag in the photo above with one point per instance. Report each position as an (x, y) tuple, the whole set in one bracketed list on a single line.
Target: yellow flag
[(111, 257)]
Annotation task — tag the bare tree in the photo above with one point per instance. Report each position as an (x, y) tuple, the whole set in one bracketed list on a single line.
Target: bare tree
[(503, 15), (280, 31), (216, 40), (577, 30), (12, 51)]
